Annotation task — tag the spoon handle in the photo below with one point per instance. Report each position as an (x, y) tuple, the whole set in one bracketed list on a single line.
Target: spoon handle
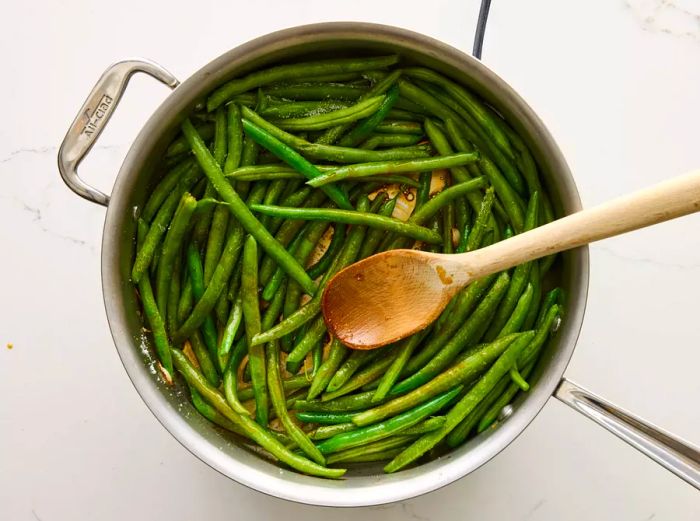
[(662, 202)]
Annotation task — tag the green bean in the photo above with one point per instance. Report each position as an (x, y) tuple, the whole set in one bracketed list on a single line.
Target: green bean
[(477, 135), (180, 145), (324, 418), (380, 86), (466, 336), (369, 247), (336, 244), (334, 153), (280, 110), (230, 377), (323, 432), (302, 250), (323, 120), (184, 306), (460, 373), (390, 140), (351, 365), (369, 374), (164, 188), (431, 424), (336, 354), (274, 191), (231, 328), (352, 217), (392, 167), (274, 384), (555, 296), (527, 360), (211, 414), (241, 212), (405, 349), (448, 217), (364, 128), (295, 160), (481, 222), (249, 427), (206, 362), (520, 311), (251, 316), (155, 320), (208, 328), (207, 299), (423, 193), (521, 275), (294, 383), (215, 241), (145, 253), (295, 72), (469, 102), (352, 402), (316, 91), (445, 197), (465, 405), (399, 127), (398, 114), (234, 132), (174, 296), (313, 335), (372, 449), (535, 281), (389, 427)]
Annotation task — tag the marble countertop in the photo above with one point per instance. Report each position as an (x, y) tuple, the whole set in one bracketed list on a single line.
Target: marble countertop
[(617, 83)]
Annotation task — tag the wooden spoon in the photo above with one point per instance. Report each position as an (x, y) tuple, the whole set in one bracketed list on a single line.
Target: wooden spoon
[(391, 295)]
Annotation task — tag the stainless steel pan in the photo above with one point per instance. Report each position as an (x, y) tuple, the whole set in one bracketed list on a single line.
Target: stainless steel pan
[(368, 485)]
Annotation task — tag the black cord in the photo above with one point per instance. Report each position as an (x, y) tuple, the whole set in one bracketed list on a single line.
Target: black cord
[(481, 28)]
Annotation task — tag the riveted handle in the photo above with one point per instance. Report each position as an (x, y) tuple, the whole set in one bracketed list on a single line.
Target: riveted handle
[(668, 450), (93, 117)]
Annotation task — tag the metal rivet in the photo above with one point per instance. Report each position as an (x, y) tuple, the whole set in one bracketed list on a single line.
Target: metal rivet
[(505, 412)]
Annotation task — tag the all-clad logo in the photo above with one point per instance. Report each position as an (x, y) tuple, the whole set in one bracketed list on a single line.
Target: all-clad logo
[(94, 120)]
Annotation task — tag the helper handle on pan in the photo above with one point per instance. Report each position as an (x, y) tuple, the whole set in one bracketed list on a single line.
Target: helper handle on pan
[(669, 451), (94, 115)]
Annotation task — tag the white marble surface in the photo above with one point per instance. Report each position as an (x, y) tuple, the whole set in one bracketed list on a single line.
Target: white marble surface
[(617, 82)]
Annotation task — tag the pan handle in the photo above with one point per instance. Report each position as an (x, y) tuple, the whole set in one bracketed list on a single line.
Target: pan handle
[(94, 115), (675, 454)]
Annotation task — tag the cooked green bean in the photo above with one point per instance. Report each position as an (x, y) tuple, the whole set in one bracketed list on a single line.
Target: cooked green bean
[(172, 245), (405, 349), (388, 427), (445, 197), (323, 120), (336, 244), (466, 336), (277, 110), (369, 374), (381, 86), (295, 72), (399, 127), (324, 418), (164, 188), (295, 160), (460, 373), (352, 217), (251, 317), (208, 328), (334, 153), (371, 449), (336, 354), (390, 141), (463, 407), (241, 212), (257, 433), (180, 145), (392, 167), (364, 128), (230, 377), (274, 384), (521, 275), (307, 342), (349, 367), (311, 91)]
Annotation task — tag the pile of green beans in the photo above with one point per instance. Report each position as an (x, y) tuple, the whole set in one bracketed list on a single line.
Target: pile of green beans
[(287, 176)]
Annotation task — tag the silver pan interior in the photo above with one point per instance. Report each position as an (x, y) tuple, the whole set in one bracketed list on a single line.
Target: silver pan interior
[(364, 485)]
